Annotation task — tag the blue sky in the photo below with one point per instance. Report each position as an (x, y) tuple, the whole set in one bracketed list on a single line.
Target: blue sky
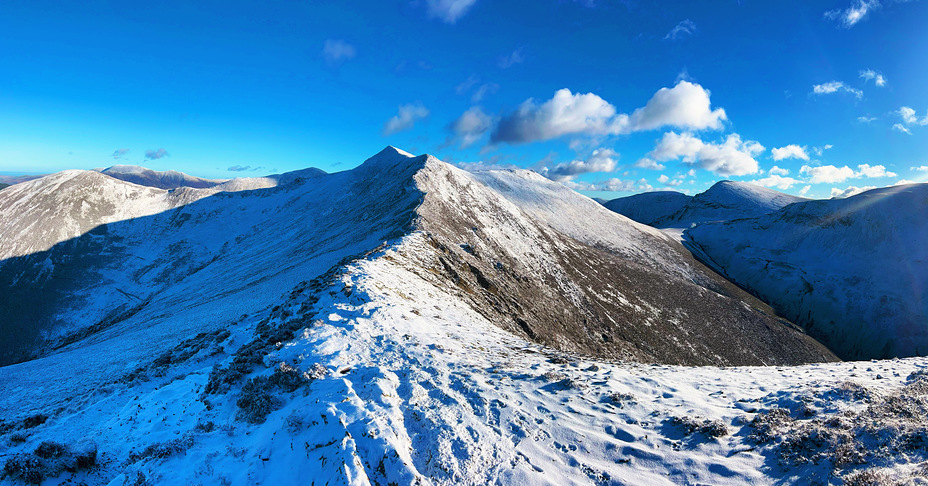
[(809, 97)]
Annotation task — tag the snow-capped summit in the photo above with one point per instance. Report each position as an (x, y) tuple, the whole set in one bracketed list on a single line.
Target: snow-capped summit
[(162, 180), (727, 200), (852, 271)]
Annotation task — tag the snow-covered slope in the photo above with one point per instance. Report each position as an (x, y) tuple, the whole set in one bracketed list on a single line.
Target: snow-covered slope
[(727, 200), (381, 325), (852, 271), (648, 207), (170, 179)]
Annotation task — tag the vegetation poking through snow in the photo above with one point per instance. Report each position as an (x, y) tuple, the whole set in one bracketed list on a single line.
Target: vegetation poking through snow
[(49, 460), (863, 429)]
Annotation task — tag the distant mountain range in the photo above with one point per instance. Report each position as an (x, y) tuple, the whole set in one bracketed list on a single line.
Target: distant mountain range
[(848, 270)]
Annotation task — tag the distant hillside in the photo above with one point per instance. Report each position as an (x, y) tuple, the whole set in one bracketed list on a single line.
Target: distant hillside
[(162, 180), (853, 272), (727, 200), (649, 207)]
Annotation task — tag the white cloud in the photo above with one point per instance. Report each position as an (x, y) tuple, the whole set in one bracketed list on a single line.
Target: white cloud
[(904, 182), (921, 168), (405, 118), (448, 11), (856, 12), (866, 119), (564, 114), (869, 74), (646, 163), (849, 191), (471, 126), (831, 174), (602, 160), (900, 127), (875, 171), (686, 105), (790, 152), (733, 157), (835, 86), (336, 50), (910, 118), (804, 190), (778, 171), (827, 173), (667, 181), (683, 29), (777, 181)]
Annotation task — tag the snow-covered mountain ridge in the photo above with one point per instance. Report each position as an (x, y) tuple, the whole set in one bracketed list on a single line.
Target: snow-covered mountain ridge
[(725, 200), (849, 270), (389, 332)]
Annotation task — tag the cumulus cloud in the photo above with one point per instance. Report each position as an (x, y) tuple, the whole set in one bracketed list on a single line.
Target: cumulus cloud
[(509, 60), (778, 181), (448, 11), (405, 118), (778, 171), (471, 126), (683, 29), (873, 171), (337, 50), (902, 128), (602, 160), (733, 157), (686, 105), (910, 118), (790, 152), (833, 174), (869, 74), (155, 154), (835, 86), (667, 181), (564, 114), (856, 12), (646, 163), (120, 153), (804, 190), (921, 168), (849, 191), (866, 119), (827, 173)]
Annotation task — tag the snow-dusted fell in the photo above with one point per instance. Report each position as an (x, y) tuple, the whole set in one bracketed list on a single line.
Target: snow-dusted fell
[(852, 271), (727, 200), (403, 322), (170, 179), (649, 207)]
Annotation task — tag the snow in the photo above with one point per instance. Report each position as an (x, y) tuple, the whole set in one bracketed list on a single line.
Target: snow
[(648, 207), (421, 388), (852, 270), (417, 386)]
